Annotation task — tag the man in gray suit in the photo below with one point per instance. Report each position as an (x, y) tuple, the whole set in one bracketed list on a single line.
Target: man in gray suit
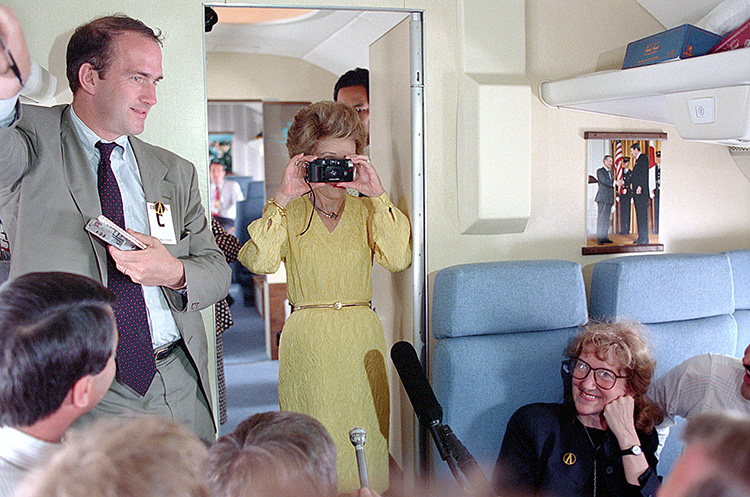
[(55, 158), (605, 198)]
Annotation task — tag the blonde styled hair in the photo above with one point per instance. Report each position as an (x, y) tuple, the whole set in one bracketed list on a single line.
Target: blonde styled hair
[(324, 120), (623, 342)]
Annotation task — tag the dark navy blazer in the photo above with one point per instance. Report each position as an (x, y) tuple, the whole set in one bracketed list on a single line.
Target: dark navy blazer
[(546, 448)]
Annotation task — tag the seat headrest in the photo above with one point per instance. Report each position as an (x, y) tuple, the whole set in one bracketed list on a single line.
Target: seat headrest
[(739, 260), (662, 288), (508, 297)]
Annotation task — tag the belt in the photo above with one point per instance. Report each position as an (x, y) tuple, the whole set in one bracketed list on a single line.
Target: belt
[(336, 305), (165, 350)]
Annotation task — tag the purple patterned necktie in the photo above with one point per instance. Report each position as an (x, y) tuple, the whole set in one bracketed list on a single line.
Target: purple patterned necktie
[(135, 354)]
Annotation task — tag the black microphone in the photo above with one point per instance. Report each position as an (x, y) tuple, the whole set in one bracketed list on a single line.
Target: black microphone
[(430, 414), (415, 383), (420, 393)]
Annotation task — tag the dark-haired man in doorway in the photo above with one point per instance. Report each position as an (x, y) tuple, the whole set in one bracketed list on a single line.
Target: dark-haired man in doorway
[(353, 88)]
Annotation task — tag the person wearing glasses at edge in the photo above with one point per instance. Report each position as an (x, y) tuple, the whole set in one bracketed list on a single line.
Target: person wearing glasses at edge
[(601, 440), (332, 351)]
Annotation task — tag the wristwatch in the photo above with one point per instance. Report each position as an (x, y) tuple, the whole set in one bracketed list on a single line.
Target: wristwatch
[(634, 450)]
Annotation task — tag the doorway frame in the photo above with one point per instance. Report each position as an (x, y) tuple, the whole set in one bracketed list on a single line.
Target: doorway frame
[(420, 333)]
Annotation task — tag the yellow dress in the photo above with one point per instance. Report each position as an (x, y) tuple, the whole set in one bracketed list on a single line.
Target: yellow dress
[(332, 363)]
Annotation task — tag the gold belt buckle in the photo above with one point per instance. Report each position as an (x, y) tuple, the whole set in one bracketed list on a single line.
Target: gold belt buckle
[(166, 350), (336, 306)]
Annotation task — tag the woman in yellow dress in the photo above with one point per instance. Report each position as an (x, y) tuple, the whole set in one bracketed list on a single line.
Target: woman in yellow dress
[(332, 351)]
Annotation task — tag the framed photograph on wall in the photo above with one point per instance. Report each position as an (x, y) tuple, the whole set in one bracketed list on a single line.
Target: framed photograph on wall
[(623, 191), (220, 149), (240, 124)]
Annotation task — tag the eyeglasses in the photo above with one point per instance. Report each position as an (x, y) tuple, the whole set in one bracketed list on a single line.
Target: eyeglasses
[(579, 369)]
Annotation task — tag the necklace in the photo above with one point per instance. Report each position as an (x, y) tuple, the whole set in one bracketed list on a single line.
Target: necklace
[(333, 214), (596, 449)]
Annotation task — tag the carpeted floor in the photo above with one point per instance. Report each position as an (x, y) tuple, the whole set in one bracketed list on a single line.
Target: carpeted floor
[(252, 379)]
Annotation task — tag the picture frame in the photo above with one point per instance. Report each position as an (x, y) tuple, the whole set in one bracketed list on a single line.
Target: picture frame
[(623, 192), (220, 149)]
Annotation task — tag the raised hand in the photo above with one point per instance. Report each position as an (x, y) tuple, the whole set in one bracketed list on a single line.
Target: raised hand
[(367, 180), (293, 182), (620, 417), (12, 35)]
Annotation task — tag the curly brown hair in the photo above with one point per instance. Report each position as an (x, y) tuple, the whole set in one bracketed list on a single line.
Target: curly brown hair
[(623, 342), (324, 120)]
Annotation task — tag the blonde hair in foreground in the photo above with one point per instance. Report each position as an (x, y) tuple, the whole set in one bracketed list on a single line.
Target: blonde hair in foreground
[(725, 436), (125, 457)]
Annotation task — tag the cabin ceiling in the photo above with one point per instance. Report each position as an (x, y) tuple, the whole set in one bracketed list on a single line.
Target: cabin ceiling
[(675, 13), (338, 40), (335, 40)]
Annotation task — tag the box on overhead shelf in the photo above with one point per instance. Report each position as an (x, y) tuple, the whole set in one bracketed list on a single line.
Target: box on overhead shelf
[(739, 38), (677, 43)]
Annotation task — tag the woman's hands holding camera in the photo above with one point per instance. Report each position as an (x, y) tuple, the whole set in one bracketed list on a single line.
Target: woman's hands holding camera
[(293, 182), (366, 180)]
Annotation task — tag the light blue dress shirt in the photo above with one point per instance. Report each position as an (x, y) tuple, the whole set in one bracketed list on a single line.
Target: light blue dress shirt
[(163, 327)]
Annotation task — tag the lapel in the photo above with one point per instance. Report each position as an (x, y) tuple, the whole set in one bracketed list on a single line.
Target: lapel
[(80, 175), (153, 170), (82, 183)]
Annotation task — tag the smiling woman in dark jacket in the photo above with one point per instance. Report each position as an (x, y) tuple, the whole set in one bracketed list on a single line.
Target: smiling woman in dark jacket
[(601, 441)]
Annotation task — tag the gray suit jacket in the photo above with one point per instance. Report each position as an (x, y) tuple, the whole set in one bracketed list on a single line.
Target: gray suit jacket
[(605, 194), (44, 164)]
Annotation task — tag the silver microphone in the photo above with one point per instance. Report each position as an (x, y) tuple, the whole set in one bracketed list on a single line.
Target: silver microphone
[(357, 437)]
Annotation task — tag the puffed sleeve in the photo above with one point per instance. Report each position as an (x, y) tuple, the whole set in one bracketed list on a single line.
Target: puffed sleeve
[(267, 246), (389, 233)]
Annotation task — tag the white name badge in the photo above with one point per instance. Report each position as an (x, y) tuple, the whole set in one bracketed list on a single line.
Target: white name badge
[(160, 222)]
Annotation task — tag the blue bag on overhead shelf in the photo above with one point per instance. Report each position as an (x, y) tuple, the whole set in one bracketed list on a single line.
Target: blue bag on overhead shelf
[(676, 43)]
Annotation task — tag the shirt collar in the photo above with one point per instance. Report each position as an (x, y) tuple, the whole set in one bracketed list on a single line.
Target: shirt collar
[(24, 448), (89, 138)]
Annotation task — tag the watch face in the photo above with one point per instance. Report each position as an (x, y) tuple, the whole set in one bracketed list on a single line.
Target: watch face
[(634, 450)]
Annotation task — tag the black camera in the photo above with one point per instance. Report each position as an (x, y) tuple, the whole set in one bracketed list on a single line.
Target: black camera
[(326, 170)]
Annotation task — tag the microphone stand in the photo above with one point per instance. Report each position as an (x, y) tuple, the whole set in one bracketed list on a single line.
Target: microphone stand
[(458, 457), (436, 430)]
